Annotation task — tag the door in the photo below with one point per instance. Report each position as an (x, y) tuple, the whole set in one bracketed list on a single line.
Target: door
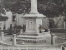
[(31, 25)]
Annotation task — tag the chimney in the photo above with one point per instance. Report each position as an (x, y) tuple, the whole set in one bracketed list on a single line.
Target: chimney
[(34, 6)]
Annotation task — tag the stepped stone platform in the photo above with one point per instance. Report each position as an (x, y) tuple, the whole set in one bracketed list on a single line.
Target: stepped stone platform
[(32, 37)]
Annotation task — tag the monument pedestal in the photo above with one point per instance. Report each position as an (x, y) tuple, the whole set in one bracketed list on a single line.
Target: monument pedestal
[(32, 34), (33, 22)]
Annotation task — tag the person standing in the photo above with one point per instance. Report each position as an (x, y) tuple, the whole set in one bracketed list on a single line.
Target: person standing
[(24, 28), (10, 30), (15, 29)]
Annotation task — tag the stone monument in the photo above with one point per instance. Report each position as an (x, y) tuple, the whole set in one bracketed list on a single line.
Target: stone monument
[(33, 22)]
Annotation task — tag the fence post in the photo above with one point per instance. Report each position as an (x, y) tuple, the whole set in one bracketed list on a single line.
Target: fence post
[(52, 39), (62, 47), (2, 36), (14, 39)]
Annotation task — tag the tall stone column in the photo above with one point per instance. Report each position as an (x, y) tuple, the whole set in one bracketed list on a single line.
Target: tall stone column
[(34, 6)]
